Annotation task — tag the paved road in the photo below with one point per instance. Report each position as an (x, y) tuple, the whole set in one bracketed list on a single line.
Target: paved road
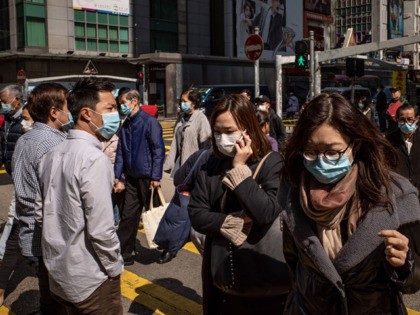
[(147, 288)]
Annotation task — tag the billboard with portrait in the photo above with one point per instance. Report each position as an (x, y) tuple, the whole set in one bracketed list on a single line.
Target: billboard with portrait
[(280, 23), (318, 6), (395, 19), (120, 7)]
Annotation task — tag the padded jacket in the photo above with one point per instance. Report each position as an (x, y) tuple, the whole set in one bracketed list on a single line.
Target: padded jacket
[(359, 280), (9, 135), (141, 150), (408, 164)]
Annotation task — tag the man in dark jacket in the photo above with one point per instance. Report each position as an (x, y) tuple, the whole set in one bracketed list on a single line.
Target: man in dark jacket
[(381, 106), (406, 140), (138, 167), (10, 132), (11, 107), (277, 129)]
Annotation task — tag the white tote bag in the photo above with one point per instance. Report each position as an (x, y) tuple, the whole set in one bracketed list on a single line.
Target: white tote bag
[(152, 216)]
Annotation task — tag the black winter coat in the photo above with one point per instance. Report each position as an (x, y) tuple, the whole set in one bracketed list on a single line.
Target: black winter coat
[(9, 135), (359, 280), (206, 217), (408, 164), (277, 129)]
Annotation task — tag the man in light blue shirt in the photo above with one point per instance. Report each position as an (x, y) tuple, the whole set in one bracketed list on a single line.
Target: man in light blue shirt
[(80, 246)]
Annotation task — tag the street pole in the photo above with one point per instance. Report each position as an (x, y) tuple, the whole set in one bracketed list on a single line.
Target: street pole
[(145, 85), (312, 64), (279, 85), (257, 70), (317, 76)]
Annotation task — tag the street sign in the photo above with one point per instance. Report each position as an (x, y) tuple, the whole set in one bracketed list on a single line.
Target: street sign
[(254, 47), (21, 76), (90, 68)]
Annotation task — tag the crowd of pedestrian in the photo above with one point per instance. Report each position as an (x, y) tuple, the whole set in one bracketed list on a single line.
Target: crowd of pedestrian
[(326, 221)]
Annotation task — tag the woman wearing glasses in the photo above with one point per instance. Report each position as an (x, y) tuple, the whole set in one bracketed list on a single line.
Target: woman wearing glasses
[(406, 140), (352, 226)]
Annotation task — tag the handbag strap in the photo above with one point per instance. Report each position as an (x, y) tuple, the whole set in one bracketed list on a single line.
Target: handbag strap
[(161, 197), (254, 176), (187, 179)]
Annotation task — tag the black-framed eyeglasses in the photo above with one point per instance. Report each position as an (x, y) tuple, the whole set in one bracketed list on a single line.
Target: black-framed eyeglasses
[(330, 155), (403, 120)]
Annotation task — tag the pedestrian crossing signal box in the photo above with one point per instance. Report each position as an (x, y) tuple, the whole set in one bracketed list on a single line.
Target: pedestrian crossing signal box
[(301, 54)]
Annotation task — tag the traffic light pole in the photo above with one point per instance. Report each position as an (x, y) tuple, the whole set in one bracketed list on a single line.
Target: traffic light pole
[(145, 85), (312, 64), (257, 70)]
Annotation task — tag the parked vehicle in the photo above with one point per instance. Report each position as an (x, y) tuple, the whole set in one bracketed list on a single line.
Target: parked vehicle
[(359, 92), (212, 93)]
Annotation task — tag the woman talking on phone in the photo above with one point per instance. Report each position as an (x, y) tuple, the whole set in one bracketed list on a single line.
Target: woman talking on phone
[(234, 203), (352, 226)]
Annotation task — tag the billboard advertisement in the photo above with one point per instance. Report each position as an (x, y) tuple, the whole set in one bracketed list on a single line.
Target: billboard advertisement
[(280, 23), (395, 19), (318, 6), (120, 7)]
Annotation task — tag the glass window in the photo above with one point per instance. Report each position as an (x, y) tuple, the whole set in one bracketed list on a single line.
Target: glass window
[(123, 20), (124, 47), (113, 33), (113, 19), (91, 30), (91, 44), (103, 45), (123, 33), (163, 41), (102, 18), (164, 10), (4, 26), (79, 30), (80, 44), (102, 31), (36, 1), (113, 46), (91, 17), (79, 15), (35, 32)]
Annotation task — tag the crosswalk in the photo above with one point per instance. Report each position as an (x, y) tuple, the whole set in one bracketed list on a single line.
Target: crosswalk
[(168, 133)]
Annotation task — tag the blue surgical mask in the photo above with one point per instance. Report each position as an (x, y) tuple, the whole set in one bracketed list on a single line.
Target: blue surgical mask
[(407, 128), (185, 107), (7, 108), (111, 124), (326, 171), (69, 124), (126, 109)]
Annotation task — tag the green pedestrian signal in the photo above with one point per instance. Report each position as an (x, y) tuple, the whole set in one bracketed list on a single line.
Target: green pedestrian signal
[(301, 61), (301, 54)]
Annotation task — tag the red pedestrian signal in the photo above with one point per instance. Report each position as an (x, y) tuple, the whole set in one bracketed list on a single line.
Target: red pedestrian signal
[(140, 78)]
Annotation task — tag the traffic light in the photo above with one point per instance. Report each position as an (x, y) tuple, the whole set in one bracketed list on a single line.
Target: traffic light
[(301, 54), (140, 77), (355, 67)]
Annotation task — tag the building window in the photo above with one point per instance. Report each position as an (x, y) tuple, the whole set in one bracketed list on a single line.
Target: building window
[(163, 25), (95, 31), (31, 26), (4, 25)]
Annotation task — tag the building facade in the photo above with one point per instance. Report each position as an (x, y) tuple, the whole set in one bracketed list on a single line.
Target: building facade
[(175, 43)]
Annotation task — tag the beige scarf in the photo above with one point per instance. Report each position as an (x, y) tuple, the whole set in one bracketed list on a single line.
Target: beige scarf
[(328, 205)]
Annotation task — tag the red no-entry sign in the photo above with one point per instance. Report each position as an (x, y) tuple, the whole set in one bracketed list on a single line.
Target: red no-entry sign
[(254, 47), (21, 76)]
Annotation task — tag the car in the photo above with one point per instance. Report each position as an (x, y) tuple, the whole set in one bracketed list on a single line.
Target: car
[(211, 94), (359, 92)]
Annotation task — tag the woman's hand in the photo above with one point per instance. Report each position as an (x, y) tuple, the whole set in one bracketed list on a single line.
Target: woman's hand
[(243, 150), (118, 186), (396, 247)]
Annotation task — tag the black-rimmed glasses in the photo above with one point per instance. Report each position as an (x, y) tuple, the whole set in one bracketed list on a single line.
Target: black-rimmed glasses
[(330, 155)]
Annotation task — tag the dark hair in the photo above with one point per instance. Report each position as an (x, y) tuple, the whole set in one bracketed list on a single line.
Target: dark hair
[(121, 91), (263, 118), (365, 101), (43, 98), (407, 106), (85, 93), (372, 152), (243, 113), (249, 5), (193, 96)]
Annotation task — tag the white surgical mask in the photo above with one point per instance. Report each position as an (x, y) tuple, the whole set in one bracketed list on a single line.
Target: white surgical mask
[(226, 143), (262, 108), (26, 125)]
